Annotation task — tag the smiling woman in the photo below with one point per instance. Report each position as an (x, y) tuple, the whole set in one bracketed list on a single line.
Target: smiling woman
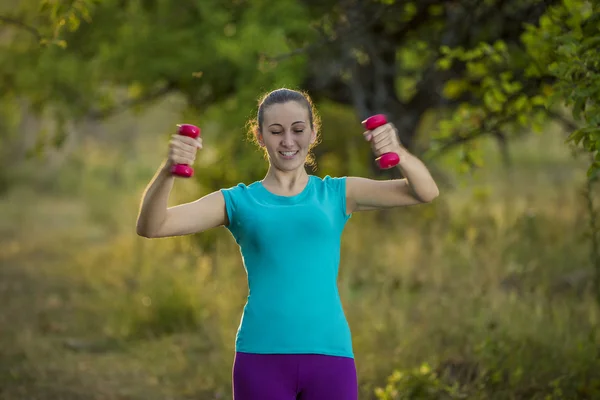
[(293, 341), (287, 103)]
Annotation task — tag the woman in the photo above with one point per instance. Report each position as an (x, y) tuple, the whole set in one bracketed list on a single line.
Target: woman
[(293, 341)]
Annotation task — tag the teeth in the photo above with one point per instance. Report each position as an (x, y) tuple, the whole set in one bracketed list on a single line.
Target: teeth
[(288, 153)]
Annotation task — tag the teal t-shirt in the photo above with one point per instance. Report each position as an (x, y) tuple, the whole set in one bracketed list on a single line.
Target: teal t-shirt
[(290, 248)]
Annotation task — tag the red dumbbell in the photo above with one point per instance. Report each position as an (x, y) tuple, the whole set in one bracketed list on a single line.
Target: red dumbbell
[(184, 170), (386, 160)]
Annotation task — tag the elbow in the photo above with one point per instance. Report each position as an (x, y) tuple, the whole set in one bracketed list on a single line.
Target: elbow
[(430, 195), (145, 234), (144, 231), (150, 229)]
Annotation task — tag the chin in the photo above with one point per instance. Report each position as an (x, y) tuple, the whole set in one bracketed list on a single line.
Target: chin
[(289, 166)]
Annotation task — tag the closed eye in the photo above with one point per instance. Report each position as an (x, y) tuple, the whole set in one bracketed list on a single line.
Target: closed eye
[(295, 130)]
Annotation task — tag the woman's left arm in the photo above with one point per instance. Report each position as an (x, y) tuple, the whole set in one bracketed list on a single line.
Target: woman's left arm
[(417, 187)]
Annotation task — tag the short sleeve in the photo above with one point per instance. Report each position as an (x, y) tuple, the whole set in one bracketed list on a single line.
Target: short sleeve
[(338, 187), (232, 201)]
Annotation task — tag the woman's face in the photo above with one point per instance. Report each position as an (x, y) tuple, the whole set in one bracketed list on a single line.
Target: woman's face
[(287, 135)]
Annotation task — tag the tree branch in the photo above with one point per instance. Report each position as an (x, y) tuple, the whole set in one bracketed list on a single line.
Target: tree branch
[(421, 18), (567, 124), (475, 133), (21, 24), (346, 32), (126, 105)]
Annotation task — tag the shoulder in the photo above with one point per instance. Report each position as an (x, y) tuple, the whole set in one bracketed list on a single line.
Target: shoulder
[(239, 188), (237, 193), (237, 200), (330, 181), (331, 184), (332, 190)]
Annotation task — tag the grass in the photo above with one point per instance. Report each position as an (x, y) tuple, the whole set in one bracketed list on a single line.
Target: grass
[(482, 289)]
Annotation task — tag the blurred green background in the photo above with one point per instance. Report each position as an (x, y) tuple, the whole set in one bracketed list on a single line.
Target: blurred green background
[(490, 292)]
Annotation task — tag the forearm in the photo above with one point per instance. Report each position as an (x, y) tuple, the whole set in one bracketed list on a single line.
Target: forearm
[(153, 209), (418, 176)]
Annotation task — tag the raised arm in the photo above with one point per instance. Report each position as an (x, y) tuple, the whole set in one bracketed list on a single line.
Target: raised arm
[(417, 187), (157, 220)]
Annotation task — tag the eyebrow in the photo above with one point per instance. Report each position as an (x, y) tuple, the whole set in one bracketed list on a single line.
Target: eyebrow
[(297, 122)]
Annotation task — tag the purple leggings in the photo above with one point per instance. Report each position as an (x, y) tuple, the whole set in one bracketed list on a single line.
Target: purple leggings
[(293, 377)]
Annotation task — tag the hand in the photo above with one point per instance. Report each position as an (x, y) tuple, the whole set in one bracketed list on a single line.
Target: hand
[(182, 149), (384, 139)]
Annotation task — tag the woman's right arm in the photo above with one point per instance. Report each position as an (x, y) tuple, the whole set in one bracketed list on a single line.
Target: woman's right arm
[(157, 220)]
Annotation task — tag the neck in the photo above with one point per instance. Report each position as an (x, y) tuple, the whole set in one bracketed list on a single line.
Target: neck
[(286, 181)]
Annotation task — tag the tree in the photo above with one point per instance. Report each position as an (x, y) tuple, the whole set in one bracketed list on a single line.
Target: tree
[(516, 88), (31, 32), (480, 65), (134, 52)]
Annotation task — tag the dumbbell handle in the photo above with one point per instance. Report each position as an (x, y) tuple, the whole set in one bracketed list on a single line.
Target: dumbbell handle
[(184, 170), (386, 160)]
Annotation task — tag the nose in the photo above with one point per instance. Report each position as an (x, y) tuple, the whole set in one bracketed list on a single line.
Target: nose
[(287, 139)]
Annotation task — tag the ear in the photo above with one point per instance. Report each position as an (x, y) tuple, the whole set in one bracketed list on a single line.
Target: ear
[(313, 137)]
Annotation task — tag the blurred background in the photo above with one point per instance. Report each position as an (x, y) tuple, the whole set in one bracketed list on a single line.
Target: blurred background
[(489, 292)]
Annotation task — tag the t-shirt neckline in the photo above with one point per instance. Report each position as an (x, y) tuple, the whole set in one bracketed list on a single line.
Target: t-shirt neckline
[(280, 199)]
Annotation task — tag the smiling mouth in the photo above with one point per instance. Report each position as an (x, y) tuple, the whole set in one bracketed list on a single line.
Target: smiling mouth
[(288, 154)]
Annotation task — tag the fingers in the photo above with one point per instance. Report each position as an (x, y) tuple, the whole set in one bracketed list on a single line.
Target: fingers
[(379, 133), (383, 139), (183, 149), (379, 150), (196, 143)]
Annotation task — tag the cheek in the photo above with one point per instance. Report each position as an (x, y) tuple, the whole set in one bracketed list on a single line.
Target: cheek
[(270, 145)]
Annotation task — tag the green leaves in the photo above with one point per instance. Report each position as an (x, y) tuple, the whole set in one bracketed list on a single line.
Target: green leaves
[(577, 72), (514, 90), (220, 55), (422, 382), (64, 15)]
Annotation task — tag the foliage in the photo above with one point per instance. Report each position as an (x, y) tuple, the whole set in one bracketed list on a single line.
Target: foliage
[(222, 55), (418, 383), (52, 19), (515, 89), (37, 75), (576, 67), (134, 53), (364, 57), (512, 90)]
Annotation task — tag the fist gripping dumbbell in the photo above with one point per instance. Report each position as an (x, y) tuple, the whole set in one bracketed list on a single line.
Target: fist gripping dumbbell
[(184, 170), (386, 160)]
